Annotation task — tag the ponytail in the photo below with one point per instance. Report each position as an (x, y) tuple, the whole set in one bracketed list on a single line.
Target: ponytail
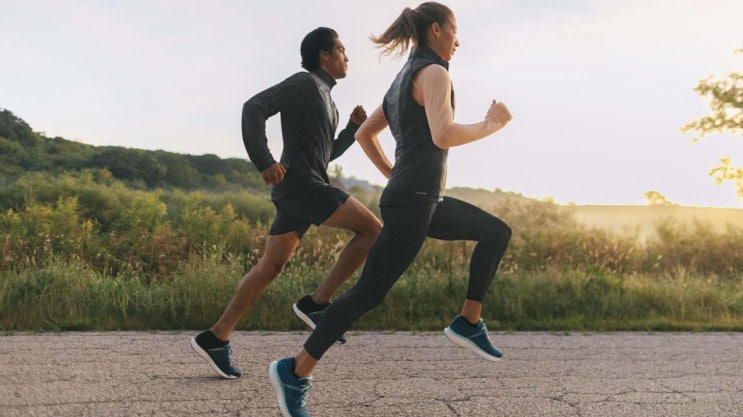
[(411, 25)]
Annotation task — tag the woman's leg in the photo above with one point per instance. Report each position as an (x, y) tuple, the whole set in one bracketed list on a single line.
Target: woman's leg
[(457, 220), (402, 236)]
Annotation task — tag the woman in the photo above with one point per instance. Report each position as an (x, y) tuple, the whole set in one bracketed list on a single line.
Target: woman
[(419, 109)]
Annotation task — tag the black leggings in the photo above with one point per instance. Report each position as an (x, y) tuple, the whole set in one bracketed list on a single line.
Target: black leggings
[(405, 228)]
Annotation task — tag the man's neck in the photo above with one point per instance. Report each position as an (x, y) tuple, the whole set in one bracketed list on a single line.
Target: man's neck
[(325, 76)]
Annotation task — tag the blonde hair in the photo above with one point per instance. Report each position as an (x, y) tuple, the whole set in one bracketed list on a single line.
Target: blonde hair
[(411, 25)]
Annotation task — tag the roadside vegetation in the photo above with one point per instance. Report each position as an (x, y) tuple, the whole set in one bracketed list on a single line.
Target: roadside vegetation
[(81, 254), (85, 247)]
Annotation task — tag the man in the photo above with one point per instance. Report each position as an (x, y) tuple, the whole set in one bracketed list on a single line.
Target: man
[(301, 191)]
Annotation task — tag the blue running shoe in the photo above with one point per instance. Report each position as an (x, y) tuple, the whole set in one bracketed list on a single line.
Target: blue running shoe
[(311, 318), (218, 358), (290, 389), (474, 338)]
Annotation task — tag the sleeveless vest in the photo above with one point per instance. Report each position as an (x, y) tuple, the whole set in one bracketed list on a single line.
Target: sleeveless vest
[(419, 173)]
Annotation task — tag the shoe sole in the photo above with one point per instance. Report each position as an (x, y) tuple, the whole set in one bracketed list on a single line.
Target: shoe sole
[(204, 355), (310, 323), (469, 345), (273, 375), (303, 317)]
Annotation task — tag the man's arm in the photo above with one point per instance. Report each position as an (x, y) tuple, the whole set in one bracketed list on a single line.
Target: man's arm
[(254, 115), (367, 136)]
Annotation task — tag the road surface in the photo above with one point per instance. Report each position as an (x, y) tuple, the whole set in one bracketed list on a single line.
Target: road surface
[(378, 374)]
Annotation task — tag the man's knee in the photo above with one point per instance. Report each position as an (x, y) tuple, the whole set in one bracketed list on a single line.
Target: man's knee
[(370, 227), (375, 227), (270, 268)]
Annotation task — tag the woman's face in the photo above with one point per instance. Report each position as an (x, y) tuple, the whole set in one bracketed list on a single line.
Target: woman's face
[(443, 38)]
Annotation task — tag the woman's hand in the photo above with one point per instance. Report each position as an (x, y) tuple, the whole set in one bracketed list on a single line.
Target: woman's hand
[(499, 112)]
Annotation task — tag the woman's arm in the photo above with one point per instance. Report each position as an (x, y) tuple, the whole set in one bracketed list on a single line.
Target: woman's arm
[(367, 137), (432, 89)]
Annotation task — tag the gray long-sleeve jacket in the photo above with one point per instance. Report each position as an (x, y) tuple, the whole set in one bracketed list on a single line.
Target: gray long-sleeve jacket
[(309, 120)]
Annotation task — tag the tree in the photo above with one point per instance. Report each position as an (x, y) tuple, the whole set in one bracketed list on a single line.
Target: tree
[(655, 198), (725, 96), (14, 128)]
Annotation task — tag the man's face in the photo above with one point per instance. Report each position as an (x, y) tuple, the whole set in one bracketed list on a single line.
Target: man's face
[(335, 61)]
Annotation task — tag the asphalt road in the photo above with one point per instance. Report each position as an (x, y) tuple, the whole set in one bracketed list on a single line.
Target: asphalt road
[(378, 374)]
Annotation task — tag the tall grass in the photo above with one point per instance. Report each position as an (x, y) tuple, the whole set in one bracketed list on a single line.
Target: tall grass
[(81, 253), (66, 296)]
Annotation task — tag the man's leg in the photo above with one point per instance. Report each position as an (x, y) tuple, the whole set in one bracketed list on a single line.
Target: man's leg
[(353, 216), (213, 345), (279, 248)]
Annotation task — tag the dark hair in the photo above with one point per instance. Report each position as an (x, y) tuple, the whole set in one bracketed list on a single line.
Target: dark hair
[(320, 39), (412, 24)]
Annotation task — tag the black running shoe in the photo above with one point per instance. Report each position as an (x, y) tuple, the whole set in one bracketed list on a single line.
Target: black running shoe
[(311, 318), (218, 358)]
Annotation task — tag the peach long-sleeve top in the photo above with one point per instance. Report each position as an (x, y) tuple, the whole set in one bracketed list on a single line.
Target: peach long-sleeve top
[(432, 90)]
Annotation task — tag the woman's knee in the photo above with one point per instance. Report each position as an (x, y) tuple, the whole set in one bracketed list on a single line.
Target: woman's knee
[(498, 232), (506, 232)]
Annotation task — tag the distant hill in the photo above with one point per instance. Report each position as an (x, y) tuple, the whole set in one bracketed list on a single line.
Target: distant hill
[(354, 184), (22, 150)]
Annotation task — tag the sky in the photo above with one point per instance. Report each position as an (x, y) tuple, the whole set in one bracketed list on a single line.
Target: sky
[(598, 89)]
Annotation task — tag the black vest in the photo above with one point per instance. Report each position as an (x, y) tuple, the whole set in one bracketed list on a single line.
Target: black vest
[(419, 174)]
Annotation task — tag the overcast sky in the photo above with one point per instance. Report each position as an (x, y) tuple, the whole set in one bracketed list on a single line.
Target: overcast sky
[(598, 89)]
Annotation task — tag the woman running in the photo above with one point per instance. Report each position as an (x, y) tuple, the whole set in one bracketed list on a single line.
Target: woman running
[(419, 110)]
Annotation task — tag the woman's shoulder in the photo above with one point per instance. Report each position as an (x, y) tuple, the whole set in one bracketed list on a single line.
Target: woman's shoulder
[(435, 70), (433, 74)]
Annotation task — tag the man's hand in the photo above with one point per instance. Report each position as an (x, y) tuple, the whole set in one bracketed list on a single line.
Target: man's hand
[(499, 113), (273, 174), (358, 115)]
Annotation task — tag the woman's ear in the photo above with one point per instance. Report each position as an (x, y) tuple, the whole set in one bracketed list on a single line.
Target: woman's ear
[(436, 29)]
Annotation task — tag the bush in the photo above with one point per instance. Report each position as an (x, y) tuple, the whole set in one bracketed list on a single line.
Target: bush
[(166, 258)]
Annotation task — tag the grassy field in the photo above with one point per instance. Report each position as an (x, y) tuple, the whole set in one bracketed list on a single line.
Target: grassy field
[(643, 220), (72, 297), (114, 238), (90, 256)]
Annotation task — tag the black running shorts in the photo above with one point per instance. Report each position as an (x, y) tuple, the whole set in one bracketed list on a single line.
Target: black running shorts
[(296, 211)]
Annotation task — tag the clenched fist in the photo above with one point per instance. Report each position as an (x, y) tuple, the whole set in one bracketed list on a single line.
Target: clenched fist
[(358, 115), (273, 174), (499, 113)]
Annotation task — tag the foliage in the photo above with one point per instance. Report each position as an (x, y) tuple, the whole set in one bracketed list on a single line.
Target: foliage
[(655, 198), (15, 129), (61, 295), (85, 248), (725, 97), (22, 150)]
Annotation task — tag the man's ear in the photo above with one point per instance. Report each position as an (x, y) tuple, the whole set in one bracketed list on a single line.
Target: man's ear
[(324, 54)]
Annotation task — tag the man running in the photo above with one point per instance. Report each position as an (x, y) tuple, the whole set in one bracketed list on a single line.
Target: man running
[(301, 188)]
